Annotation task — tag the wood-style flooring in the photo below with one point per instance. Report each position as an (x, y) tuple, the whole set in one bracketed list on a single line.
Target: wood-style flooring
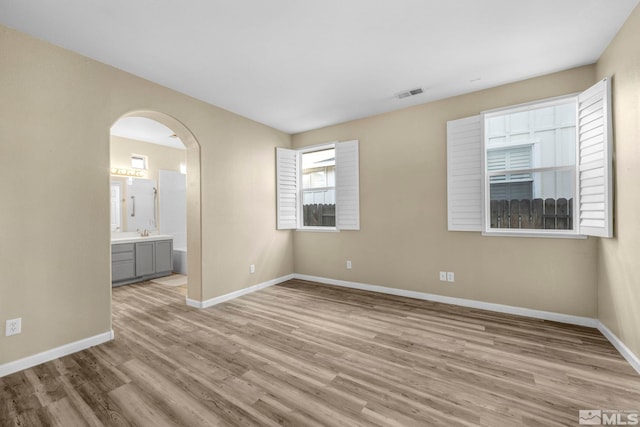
[(303, 354)]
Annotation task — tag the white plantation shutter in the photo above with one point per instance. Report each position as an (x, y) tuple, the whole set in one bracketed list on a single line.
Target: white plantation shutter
[(347, 186), (497, 161), (595, 195), (509, 159), (464, 174), (287, 165), (519, 158)]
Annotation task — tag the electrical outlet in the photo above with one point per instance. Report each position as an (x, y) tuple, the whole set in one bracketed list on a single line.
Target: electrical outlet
[(252, 268), (348, 265), (443, 276), (14, 326), (450, 277)]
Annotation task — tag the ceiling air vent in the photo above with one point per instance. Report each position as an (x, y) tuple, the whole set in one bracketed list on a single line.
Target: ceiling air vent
[(408, 93)]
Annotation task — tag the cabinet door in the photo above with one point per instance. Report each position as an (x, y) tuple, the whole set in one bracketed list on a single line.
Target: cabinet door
[(122, 262), (145, 258), (122, 271), (164, 256)]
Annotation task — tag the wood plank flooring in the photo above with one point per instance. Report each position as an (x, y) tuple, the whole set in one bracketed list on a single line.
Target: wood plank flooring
[(302, 354)]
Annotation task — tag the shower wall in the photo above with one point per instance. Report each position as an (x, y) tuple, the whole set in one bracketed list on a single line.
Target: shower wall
[(172, 197)]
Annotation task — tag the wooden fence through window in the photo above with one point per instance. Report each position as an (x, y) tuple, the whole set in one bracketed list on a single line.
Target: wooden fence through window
[(544, 214), (319, 215), (547, 214)]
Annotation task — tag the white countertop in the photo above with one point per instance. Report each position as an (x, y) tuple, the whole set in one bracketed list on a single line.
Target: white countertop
[(129, 238)]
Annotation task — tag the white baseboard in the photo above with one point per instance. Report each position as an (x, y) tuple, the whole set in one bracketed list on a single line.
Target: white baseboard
[(36, 359), (629, 355), (222, 298), (54, 353), (500, 308), (634, 361)]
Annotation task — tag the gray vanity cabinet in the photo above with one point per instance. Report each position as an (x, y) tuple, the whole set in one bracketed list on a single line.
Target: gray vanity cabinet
[(139, 261)]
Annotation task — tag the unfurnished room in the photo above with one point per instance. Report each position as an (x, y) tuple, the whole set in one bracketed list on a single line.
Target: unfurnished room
[(337, 213)]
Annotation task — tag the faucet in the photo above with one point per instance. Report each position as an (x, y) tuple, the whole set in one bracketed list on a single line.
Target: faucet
[(144, 233)]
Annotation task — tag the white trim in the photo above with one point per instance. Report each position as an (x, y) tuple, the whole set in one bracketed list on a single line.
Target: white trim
[(528, 106), (226, 297), (317, 147), (319, 229), (589, 322), (516, 145), (528, 170), (630, 357), (500, 308), (515, 232), (54, 353)]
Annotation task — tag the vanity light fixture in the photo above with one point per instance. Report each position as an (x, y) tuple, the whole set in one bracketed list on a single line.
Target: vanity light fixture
[(127, 172)]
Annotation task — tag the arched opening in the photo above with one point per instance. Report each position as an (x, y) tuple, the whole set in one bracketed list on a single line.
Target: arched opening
[(193, 194)]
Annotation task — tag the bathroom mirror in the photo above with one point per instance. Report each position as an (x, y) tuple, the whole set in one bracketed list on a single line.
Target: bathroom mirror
[(133, 204)]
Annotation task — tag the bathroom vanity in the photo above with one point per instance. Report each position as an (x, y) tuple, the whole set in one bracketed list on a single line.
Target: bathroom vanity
[(136, 259)]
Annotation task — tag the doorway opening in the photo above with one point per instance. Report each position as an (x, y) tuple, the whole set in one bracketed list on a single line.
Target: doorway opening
[(155, 202)]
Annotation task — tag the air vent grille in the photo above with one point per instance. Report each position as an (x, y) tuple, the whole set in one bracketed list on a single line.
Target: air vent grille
[(408, 93)]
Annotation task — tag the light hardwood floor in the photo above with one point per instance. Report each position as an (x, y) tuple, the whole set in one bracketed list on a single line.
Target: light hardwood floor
[(302, 354)]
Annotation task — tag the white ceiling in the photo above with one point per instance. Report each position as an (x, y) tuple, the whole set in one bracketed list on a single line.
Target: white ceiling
[(143, 129), (298, 65)]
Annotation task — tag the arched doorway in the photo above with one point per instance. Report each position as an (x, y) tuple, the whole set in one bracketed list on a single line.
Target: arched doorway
[(194, 224)]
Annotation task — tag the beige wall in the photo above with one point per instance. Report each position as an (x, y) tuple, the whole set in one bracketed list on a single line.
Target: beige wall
[(404, 243), (619, 258), (56, 109)]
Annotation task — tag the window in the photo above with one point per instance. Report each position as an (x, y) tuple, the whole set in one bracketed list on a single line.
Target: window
[(529, 166), (318, 187), (138, 161), (537, 169)]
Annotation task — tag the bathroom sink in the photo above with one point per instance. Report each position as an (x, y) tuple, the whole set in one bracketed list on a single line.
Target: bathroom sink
[(129, 238)]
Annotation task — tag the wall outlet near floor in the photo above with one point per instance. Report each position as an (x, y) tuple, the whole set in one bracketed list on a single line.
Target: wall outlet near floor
[(443, 276), (14, 326), (349, 265), (252, 268), (450, 277)]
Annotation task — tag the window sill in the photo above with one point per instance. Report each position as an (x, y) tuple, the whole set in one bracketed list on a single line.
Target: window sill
[(319, 229), (544, 234)]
